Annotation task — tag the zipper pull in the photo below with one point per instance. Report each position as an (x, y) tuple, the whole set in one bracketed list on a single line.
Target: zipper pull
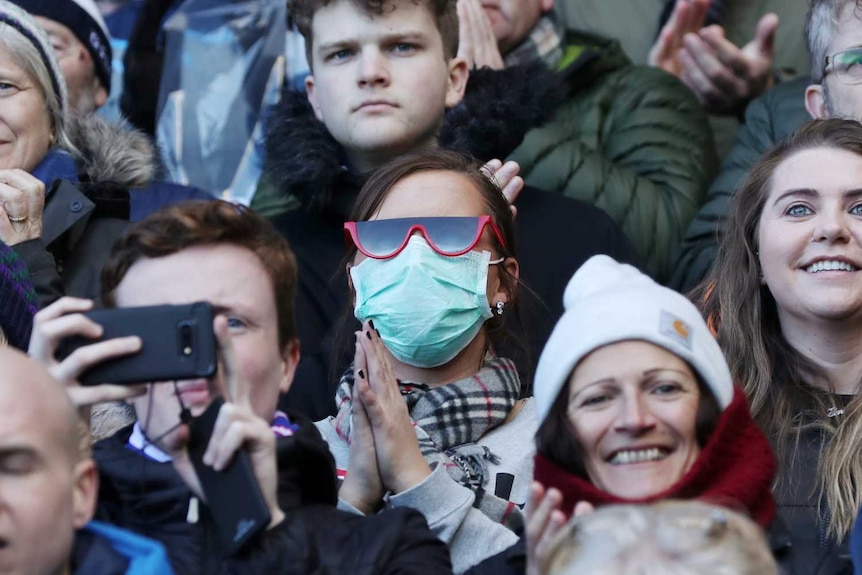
[(192, 515)]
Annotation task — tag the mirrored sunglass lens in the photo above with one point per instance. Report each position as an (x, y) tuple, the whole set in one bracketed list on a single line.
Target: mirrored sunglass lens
[(848, 64), (452, 235), (382, 237)]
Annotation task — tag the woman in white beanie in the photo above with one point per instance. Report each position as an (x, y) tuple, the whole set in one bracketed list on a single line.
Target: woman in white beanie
[(785, 297), (636, 405)]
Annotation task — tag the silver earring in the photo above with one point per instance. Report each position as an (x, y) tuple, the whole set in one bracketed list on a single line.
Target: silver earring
[(500, 308)]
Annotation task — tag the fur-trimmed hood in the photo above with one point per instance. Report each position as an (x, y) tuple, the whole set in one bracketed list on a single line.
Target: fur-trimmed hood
[(498, 109), (111, 152)]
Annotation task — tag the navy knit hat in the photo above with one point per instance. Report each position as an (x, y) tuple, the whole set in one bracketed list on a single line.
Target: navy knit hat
[(85, 21), (17, 299), (21, 20)]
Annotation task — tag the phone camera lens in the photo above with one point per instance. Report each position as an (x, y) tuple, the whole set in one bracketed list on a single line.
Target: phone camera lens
[(186, 339)]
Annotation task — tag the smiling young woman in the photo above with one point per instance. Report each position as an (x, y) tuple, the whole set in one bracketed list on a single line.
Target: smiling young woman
[(785, 297)]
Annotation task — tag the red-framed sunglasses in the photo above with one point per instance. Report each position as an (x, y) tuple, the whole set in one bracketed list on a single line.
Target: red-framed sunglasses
[(448, 236)]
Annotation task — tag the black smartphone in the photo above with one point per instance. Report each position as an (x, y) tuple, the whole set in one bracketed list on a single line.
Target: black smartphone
[(178, 342), (233, 495)]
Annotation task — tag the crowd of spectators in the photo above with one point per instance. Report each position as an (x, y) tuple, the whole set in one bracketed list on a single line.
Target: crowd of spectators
[(488, 286)]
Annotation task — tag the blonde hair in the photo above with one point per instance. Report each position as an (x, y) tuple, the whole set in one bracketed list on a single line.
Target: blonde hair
[(666, 538)]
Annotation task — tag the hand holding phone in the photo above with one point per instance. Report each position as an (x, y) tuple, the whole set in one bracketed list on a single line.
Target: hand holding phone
[(176, 342), (233, 453), (64, 319)]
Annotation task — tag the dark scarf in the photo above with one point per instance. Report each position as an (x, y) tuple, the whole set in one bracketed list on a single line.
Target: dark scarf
[(735, 468), (449, 421)]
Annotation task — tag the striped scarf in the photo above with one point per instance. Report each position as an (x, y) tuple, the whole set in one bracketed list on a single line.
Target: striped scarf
[(449, 421)]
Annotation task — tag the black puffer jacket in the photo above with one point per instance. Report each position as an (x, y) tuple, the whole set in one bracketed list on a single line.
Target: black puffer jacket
[(555, 234), (150, 498)]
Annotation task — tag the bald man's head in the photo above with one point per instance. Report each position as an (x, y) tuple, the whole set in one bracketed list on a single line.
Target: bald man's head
[(45, 395), (47, 488)]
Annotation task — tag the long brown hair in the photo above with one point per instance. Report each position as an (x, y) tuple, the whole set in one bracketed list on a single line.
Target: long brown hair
[(787, 392)]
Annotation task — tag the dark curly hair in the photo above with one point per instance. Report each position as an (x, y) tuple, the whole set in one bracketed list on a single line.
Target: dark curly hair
[(301, 13)]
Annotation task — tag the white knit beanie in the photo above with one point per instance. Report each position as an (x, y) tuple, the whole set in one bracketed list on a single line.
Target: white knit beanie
[(608, 302)]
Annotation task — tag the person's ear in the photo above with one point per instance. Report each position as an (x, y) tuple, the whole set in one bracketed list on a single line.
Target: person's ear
[(289, 361), (815, 103), (100, 97), (85, 492), (547, 5), (311, 92), (459, 73), (500, 291)]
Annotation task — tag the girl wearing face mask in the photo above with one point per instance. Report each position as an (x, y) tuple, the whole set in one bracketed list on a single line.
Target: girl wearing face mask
[(428, 415), (636, 405)]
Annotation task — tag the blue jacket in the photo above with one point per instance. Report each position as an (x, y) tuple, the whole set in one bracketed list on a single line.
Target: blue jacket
[(101, 549)]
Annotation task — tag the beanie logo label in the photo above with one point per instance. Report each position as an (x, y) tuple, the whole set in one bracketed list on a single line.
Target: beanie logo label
[(675, 329)]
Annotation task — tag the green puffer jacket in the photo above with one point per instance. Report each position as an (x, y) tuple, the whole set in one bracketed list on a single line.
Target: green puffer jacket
[(629, 139), (768, 120)]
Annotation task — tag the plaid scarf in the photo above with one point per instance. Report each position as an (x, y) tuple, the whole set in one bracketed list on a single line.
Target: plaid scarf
[(449, 420), (544, 43), (17, 299)]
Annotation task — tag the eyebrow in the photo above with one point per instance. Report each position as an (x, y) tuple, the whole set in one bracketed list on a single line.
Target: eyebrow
[(385, 39), (235, 308), (644, 373), (810, 193)]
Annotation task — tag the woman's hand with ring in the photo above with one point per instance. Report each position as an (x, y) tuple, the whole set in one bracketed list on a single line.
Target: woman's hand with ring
[(22, 200)]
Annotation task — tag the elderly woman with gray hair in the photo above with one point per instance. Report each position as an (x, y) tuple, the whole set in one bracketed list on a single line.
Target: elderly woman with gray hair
[(67, 185)]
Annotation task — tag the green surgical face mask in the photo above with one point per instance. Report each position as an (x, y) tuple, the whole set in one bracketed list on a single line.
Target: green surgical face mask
[(427, 307)]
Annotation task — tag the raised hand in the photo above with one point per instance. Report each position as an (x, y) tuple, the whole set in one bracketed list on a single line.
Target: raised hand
[(544, 521), (688, 17), (724, 77), (363, 487), (237, 426), (507, 179), (399, 460), (64, 318), (476, 41), (22, 201)]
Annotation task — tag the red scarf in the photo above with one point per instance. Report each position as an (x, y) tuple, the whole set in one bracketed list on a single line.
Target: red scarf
[(735, 469)]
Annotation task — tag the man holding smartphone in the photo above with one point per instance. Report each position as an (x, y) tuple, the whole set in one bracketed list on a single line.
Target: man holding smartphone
[(235, 260)]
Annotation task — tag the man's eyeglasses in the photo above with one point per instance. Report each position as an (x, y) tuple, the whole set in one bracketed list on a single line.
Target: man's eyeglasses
[(846, 66), (448, 236)]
